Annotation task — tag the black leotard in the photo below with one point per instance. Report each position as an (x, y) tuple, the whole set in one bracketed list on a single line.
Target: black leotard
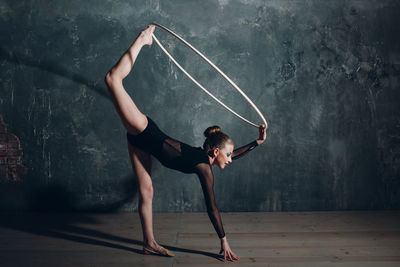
[(182, 157)]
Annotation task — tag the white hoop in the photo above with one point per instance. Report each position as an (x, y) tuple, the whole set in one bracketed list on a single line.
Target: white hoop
[(216, 68)]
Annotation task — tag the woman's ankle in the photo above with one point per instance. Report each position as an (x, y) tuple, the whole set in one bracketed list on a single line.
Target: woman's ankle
[(150, 243)]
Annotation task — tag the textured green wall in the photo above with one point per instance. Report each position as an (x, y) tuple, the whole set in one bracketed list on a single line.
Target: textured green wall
[(325, 74)]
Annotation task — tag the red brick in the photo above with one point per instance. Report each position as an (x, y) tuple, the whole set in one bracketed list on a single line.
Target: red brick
[(15, 153), (3, 172), (13, 145), (10, 155), (3, 128), (3, 136), (12, 138), (11, 161), (21, 171), (12, 171)]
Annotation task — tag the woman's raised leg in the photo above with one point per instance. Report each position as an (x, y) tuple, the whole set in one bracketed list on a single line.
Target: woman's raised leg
[(133, 120)]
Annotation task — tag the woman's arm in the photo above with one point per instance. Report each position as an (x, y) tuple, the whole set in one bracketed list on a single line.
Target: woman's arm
[(207, 183), (241, 151)]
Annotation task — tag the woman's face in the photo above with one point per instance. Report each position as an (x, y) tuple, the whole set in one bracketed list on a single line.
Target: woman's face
[(224, 156)]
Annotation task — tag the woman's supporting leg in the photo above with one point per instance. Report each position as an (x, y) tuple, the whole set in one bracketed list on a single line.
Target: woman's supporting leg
[(141, 164)]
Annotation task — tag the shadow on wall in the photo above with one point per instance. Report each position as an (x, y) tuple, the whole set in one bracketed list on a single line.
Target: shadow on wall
[(22, 195), (52, 67), (58, 198)]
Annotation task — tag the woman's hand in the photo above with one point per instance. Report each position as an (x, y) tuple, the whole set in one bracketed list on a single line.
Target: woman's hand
[(227, 251), (145, 36), (263, 134)]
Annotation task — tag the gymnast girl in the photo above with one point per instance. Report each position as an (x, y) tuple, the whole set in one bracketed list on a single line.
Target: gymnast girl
[(144, 139)]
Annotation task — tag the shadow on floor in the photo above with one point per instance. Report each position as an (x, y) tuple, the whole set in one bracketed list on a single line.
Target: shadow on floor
[(63, 226)]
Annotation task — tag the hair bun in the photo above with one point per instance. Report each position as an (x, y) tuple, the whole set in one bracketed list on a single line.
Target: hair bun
[(212, 130)]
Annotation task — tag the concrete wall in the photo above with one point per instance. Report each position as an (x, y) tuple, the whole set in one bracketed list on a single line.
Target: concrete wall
[(325, 74)]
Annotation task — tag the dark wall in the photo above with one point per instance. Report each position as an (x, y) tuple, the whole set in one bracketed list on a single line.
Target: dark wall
[(325, 74)]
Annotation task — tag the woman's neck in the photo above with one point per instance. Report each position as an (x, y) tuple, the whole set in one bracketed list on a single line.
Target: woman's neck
[(211, 159)]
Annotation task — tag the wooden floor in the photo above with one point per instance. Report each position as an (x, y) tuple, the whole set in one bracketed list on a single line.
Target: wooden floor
[(349, 238)]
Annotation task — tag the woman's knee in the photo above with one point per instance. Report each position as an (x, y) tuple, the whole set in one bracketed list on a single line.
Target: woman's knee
[(147, 192)]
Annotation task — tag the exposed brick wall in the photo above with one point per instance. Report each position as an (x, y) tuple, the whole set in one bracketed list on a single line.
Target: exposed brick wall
[(11, 153)]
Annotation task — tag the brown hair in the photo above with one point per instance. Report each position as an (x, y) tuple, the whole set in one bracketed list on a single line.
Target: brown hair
[(215, 138)]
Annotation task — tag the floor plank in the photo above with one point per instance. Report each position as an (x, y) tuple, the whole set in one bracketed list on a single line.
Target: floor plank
[(336, 238)]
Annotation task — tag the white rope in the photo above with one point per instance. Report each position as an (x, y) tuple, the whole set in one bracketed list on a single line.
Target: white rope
[(216, 68)]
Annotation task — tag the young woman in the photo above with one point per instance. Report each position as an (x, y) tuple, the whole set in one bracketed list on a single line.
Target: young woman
[(146, 139)]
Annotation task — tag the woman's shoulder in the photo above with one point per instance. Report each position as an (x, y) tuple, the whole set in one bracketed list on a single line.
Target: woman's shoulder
[(196, 154), (201, 155)]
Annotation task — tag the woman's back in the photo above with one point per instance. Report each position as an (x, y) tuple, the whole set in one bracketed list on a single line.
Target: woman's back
[(170, 152)]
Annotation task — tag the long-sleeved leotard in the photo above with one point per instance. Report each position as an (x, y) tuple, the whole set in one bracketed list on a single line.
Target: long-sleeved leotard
[(182, 157), (207, 183), (241, 151)]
